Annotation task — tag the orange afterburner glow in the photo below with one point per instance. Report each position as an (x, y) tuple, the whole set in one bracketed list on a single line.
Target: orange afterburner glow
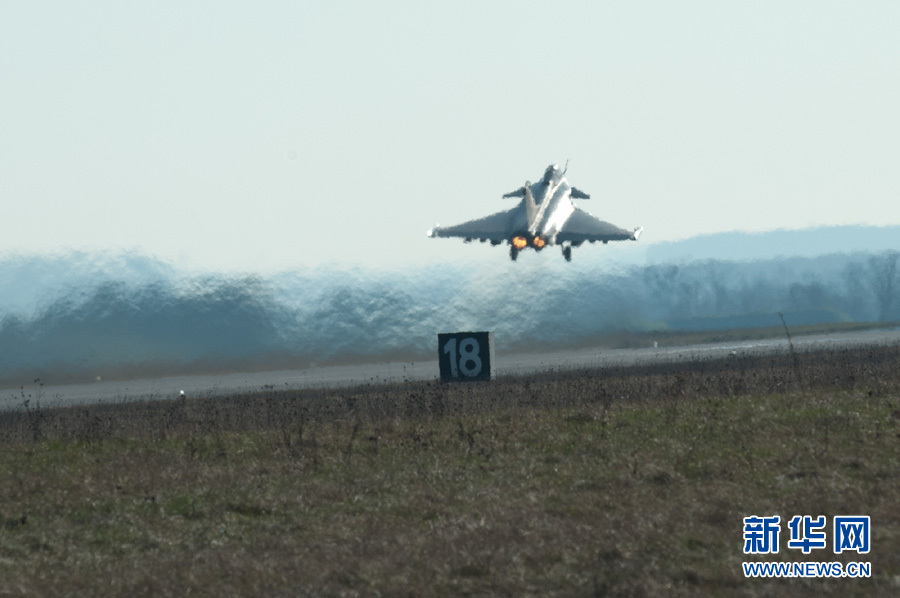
[(539, 242), (519, 242)]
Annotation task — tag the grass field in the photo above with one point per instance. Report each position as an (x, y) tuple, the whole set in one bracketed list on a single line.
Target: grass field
[(623, 481)]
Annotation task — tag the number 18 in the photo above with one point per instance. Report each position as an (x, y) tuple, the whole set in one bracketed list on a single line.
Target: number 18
[(468, 354)]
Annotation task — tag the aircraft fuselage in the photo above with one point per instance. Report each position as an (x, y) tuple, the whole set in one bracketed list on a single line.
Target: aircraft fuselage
[(553, 203)]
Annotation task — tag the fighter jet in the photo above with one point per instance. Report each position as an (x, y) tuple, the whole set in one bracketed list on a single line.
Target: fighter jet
[(545, 216)]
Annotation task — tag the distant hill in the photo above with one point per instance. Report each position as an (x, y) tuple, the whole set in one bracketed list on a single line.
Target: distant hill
[(30, 282), (809, 242)]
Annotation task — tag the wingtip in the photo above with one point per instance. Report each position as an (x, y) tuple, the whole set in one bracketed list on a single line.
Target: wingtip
[(431, 232), (637, 233)]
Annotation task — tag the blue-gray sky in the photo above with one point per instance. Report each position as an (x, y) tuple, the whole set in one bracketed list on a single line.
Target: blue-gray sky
[(267, 135)]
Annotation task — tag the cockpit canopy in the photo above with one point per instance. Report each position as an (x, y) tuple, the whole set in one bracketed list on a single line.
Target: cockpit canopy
[(552, 173)]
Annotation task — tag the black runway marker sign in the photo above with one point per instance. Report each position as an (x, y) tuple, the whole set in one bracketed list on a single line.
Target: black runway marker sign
[(466, 356)]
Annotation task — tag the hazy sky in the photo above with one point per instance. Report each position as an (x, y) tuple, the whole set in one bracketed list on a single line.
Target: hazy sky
[(264, 135)]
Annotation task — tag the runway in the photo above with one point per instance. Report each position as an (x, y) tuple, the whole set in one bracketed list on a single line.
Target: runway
[(510, 363)]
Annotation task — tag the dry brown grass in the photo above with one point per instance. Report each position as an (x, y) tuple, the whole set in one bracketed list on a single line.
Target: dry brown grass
[(626, 481)]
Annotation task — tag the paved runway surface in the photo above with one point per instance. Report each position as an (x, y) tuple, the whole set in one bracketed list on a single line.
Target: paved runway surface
[(337, 376)]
